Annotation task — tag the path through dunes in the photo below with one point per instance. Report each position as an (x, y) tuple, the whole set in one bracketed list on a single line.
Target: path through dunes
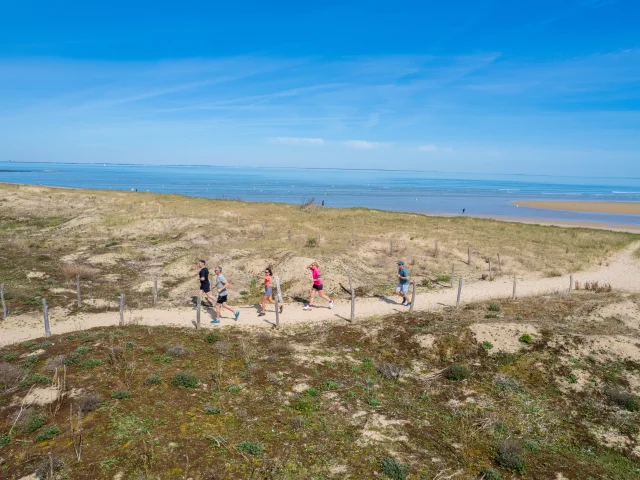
[(622, 272)]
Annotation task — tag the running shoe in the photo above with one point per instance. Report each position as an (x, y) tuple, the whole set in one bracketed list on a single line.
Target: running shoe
[(404, 303), (261, 314), (215, 321), (236, 315), (307, 307), (331, 304), (407, 304)]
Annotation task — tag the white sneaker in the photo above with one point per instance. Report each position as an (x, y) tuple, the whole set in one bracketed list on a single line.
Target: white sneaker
[(307, 307), (331, 304)]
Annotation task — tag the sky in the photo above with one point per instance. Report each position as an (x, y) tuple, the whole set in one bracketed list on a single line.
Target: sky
[(544, 87)]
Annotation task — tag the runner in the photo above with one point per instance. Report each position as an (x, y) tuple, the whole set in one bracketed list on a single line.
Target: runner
[(317, 286), (268, 290), (205, 287), (403, 284), (221, 288)]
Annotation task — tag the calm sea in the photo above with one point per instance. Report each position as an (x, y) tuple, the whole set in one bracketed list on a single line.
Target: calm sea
[(406, 191)]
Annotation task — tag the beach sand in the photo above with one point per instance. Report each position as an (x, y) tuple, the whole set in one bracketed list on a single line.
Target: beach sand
[(623, 208)]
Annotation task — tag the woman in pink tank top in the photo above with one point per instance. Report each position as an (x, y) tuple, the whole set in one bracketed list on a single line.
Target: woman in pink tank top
[(317, 287)]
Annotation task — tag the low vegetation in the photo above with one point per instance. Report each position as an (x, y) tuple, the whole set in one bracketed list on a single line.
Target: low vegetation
[(337, 400)]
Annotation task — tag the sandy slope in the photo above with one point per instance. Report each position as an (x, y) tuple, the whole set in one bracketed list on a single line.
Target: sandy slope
[(622, 272)]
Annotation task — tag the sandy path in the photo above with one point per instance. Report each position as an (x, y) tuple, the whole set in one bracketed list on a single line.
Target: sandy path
[(623, 273)]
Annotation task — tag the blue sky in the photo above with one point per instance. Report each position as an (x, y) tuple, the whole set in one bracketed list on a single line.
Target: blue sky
[(545, 87)]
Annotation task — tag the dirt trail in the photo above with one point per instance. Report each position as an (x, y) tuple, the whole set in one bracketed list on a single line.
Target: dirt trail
[(622, 272)]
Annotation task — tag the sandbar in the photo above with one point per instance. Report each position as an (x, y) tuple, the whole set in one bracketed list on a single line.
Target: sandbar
[(622, 208)]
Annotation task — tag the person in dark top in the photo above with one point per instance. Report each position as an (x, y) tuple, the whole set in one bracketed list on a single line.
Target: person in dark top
[(205, 286)]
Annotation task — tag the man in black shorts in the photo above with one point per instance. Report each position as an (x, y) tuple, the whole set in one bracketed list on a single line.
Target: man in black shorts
[(221, 288), (205, 287)]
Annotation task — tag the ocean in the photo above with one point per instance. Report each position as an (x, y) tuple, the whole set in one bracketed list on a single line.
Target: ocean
[(406, 191)]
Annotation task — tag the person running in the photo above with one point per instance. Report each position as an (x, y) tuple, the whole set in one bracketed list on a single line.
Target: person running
[(221, 288), (403, 284), (267, 281), (205, 286), (316, 287)]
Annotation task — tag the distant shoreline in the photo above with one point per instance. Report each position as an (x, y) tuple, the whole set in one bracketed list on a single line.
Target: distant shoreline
[(619, 208), (542, 221)]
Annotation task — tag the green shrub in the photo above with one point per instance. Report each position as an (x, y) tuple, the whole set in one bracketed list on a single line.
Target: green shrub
[(526, 338), (32, 421), (4, 440), (252, 448), (312, 392), (443, 278), (90, 363), (510, 456), (83, 350), (154, 379), (493, 307), (303, 405), (9, 357), (623, 399), (148, 350), (184, 379), (48, 434), (34, 378), (572, 378), (532, 445), (162, 358), (330, 385), (234, 388), (394, 469), (491, 315), (491, 474), (211, 410), (487, 345), (130, 345), (120, 394), (212, 337), (457, 373), (373, 402)]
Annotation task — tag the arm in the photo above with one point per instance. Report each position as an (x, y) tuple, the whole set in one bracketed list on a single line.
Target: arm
[(226, 284)]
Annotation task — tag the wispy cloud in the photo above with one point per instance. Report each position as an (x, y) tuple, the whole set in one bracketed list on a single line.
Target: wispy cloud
[(297, 141), (364, 145)]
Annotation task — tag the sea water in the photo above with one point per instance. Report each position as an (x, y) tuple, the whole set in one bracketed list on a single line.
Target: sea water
[(406, 191)]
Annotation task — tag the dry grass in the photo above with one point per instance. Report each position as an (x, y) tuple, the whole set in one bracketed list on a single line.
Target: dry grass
[(117, 242)]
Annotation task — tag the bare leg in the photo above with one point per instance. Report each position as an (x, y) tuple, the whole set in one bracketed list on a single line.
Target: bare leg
[(217, 310), (324, 295), (264, 299), (231, 309), (311, 296)]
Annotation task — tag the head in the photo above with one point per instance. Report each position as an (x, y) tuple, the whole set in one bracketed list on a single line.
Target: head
[(268, 271), (313, 266), (400, 264), (202, 263), (218, 270)]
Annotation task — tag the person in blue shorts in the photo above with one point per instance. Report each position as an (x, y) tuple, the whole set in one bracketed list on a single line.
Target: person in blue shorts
[(403, 284)]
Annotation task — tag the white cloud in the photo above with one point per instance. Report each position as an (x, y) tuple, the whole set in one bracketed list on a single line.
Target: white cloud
[(432, 148), (364, 145), (297, 141)]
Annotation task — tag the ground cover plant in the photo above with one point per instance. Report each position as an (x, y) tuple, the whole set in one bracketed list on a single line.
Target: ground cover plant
[(335, 400)]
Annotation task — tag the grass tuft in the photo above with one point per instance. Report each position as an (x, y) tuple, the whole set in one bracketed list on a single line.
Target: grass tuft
[(252, 448), (624, 399), (120, 394), (510, 456), (525, 338), (457, 373), (392, 468), (47, 434)]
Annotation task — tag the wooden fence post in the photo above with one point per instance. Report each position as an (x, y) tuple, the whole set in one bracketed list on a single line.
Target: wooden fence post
[(78, 288), (459, 292), (436, 250), (45, 310), (570, 283), (413, 297), (468, 255), (453, 274), (489, 269), (155, 289), (278, 301), (122, 309), (499, 263), (514, 287), (390, 247), (5, 312), (353, 297), (277, 312), (198, 304)]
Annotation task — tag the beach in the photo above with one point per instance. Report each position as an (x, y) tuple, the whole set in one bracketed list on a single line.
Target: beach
[(617, 208)]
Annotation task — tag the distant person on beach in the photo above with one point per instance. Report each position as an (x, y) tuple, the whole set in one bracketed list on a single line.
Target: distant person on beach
[(323, 203), (403, 284), (221, 288), (205, 286), (267, 281), (464, 210), (316, 287)]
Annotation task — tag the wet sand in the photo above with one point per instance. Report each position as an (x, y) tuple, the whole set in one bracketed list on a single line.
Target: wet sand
[(621, 208)]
